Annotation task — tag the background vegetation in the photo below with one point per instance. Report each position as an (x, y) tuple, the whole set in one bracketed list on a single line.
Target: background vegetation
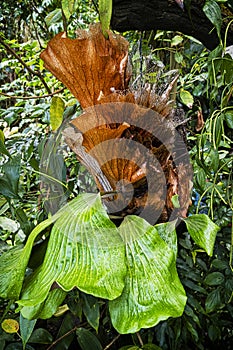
[(204, 91)]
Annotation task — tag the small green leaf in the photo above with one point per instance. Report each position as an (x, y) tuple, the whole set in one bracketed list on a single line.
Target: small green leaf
[(186, 98), (176, 40), (229, 118), (56, 112), (10, 180), (175, 201), (153, 291), (213, 12), (203, 231), (91, 310), (40, 336), (87, 340), (213, 301), (26, 329), (10, 326), (105, 12), (7, 224), (214, 279), (53, 17), (178, 57), (69, 7), (3, 149)]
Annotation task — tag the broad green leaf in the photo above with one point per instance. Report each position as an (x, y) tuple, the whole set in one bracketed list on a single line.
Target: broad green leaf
[(87, 340), (10, 326), (26, 329), (91, 310), (203, 231), (213, 13), (105, 12), (167, 232), (47, 308), (41, 336), (229, 118), (56, 112), (130, 347), (14, 262), (153, 291), (85, 250), (69, 7), (186, 98), (214, 279)]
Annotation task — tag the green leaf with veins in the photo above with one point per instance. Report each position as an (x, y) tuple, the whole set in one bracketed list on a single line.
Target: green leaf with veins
[(153, 291), (14, 262), (203, 231), (85, 250)]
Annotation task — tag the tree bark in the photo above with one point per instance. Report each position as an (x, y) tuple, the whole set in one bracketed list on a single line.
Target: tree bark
[(167, 15)]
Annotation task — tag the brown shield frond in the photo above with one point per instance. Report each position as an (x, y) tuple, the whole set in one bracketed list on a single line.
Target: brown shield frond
[(90, 66)]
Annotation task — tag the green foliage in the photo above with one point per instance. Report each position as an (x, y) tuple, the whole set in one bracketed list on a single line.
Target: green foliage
[(204, 85)]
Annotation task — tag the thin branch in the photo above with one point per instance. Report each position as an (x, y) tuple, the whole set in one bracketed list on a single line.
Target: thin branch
[(29, 69), (140, 339), (32, 97), (112, 342), (62, 337)]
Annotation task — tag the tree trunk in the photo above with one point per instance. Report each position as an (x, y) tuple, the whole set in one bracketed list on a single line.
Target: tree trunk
[(167, 15)]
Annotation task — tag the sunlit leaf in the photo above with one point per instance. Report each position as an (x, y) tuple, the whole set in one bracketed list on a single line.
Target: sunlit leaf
[(69, 7), (175, 201), (167, 232), (47, 308), (10, 326), (14, 262), (203, 231), (56, 112), (176, 40), (153, 291), (186, 98), (53, 17), (178, 57), (85, 250)]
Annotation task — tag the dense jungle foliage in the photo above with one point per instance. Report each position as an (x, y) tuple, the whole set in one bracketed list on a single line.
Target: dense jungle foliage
[(39, 174)]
